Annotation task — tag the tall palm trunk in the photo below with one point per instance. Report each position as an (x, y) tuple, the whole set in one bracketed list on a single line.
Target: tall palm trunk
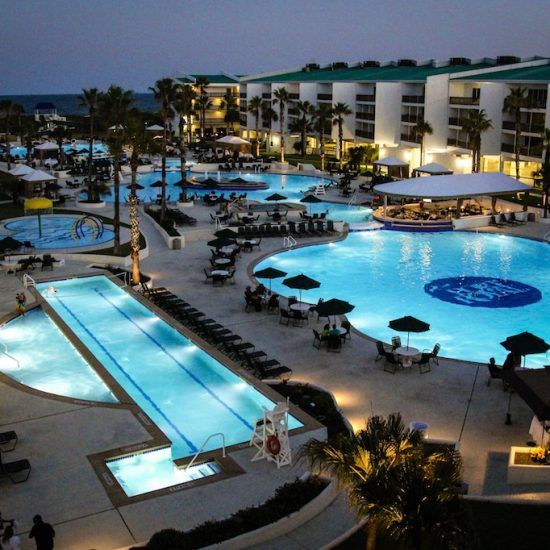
[(518, 138), (8, 145), (257, 135), (116, 220), (372, 529), (282, 119), (163, 173), (91, 160), (340, 144), (134, 222), (182, 164)]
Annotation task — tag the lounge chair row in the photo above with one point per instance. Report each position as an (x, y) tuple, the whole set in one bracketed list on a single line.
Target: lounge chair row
[(302, 229), (232, 345), (17, 470)]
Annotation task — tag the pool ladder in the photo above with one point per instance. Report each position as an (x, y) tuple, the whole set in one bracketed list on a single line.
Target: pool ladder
[(204, 444), (289, 241), (8, 355)]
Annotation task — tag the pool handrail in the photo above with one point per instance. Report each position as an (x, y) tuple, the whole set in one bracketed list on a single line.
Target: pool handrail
[(28, 281), (289, 241), (5, 346), (202, 447)]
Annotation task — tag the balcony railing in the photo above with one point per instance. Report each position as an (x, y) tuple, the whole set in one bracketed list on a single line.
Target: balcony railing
[(266, 96), (293, 96), (453, 100), (365, 134), (242, 95), (364, 116), (410, 118), (455, 122), (533, 129), (413, 99), (411, 138), (455, 142), (324, 97), (366, 98), (524, 151)]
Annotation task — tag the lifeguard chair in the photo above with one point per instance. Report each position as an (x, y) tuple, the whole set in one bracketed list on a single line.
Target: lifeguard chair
[(270, 436)]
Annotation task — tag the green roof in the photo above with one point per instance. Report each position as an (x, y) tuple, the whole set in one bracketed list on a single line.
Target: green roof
[(218, 78), (540, 73), (368, 74)]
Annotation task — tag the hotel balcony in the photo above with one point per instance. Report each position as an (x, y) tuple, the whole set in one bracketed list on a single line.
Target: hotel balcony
[(455, 142), (324, 97), (363, 98), (242, 120), (266, 95), (410, 138), (453, 100), (414, 119), (525, 129), (523, 151), (294, 97), (368, 134), (416, 99), (364, 116), (457, 122), (242, 95)]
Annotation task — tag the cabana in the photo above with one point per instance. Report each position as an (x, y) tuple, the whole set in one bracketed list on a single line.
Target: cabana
[(432, 169), (396, 167), (33, 183)]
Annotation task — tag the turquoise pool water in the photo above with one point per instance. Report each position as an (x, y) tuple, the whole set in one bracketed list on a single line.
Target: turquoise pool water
[(20, 152), (290, 186), (350, 213), (187, 393), (384, 274), (59, 232), (47, 361)]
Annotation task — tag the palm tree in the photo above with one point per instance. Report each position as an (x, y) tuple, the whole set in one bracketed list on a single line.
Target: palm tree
[(408, 496), (229, 104), (339, 111), (254, 107), (165, 91), (17, 110), (544, 171), (269, 116), (139, 140), (184, 106), (514, 102), (476, 123), (90, 100), (281, 98), (303, 123), (323, 116), (422, 128), (60, 134), (114, 107), (204, 103), (28, 132)]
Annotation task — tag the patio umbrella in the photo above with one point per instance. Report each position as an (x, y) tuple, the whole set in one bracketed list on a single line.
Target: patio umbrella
[(155, 128), (524, 344), (276, 197), (333, 307), (409, 324), (238, 180), (269, 273), (220, 242), (233, 140), (38, 206), (533, 386), (310, 199), (157, 183), (301, 282), (209, 181), (226, 234), (136, 186), (10, 243)]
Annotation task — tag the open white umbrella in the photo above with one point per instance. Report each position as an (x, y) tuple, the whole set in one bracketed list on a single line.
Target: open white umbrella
[(38, 175), (50, 162), (47, 146), (155, 128), (233, 140)]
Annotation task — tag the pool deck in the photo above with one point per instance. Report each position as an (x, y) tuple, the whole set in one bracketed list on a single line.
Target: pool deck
[(453, 399)]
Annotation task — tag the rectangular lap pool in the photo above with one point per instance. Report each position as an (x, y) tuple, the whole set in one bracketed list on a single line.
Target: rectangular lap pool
[(186, 392)]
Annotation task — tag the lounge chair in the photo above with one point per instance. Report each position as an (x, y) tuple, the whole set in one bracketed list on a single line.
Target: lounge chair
[(15, 470), (278, 372), (8, 441)]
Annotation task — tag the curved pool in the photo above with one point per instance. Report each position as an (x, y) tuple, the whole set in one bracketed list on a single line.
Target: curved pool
[(433, 276), (60, 231)]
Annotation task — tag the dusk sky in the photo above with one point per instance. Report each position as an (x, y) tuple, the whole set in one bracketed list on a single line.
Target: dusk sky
[(54, 46)]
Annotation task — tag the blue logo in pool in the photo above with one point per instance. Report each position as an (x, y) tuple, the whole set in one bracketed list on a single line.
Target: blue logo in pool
[(483, 292)]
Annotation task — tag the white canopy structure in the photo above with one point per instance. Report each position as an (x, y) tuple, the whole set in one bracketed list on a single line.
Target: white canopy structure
[(47, 146), (453, 187), (38, 175), (155, 128), (21, 170), (433, 169), (391, 162), (233, 140)]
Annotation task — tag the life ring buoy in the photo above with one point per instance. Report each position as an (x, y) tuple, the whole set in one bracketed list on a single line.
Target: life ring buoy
[(273, 445)]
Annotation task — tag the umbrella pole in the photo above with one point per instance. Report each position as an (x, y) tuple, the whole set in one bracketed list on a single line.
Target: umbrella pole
[(508, 412), (408, 336), (39, 227)]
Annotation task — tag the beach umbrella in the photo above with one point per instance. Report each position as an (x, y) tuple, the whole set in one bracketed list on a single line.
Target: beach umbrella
[(209, 181), (50, 162), (310, 199), (10, 243), (269, 273), (301, 282), (275, 197), (525, 343), (409, 324), (136, 186), (533, 386), (333, 307), (226, 233), (238, 180), (220, 242), (233, 140), (157, 183)]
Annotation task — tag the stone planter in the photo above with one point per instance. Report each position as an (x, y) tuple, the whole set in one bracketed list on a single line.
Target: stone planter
[(532, 473)]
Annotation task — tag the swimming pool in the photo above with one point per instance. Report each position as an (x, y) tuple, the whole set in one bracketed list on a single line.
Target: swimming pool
[(290, 186), (60, 231), (41, 357), (350, 213), (389, 274), (187, 393)]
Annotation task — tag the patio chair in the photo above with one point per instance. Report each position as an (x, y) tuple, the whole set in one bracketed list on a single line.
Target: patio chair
[(495, 372), (15, 470), (318, 341), (9, 439), (284, 317), (299, 318), (207, 276), (435, 353), (423, 363), (395, 342), (346, 325), (334, 343), (47, 263), (391, 363)]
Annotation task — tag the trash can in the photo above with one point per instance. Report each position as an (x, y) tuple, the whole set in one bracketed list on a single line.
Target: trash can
[(421, 427)]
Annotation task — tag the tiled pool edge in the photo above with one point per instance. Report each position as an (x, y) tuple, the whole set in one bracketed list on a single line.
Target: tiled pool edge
[(158, 440)]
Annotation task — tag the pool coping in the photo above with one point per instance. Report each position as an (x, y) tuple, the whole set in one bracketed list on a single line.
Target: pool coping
[(158, 439)]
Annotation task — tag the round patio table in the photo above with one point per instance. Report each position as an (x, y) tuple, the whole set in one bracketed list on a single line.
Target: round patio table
[(406, 354), (220, 272), (300, 306), (222, 261)]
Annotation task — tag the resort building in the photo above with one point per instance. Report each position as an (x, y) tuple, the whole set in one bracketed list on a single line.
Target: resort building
[(218, 86), (388, 99)]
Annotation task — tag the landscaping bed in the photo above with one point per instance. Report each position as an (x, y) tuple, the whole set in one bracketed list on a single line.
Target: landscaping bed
[(168, 225)]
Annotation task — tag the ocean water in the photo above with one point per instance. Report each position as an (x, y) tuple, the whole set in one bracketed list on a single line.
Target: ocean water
[(67, 104)]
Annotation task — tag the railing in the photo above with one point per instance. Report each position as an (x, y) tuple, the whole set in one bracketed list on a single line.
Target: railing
[(524, 151), (546, 237), (289, 241), (411, 118), (524, 128), (364, 116), (455, 122), (266, 95), (353, 199), (413, 99), (324, 97), (453, 100), (370, 98), (203, 445), (293, 96), (28, 281), (8, 355), (411, 138), (364, 134), (242, 96), (454, 142)]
